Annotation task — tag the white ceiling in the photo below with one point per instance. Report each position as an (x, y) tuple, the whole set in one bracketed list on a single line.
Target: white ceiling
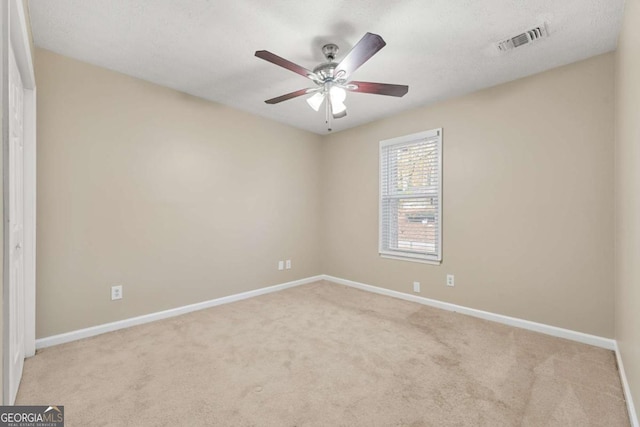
[(440, 48)]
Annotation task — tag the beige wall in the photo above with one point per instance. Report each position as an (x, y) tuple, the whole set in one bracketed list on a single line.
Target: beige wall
[(627, 190), (528, 219), (181, 200), (178, 199)]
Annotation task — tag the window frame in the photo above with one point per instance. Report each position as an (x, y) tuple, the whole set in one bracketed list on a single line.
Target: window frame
[(409, 255)]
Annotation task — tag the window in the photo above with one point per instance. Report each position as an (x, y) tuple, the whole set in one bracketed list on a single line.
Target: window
[(411, 197)]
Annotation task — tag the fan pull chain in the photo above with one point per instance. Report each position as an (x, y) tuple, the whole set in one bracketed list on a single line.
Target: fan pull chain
[(328, 115)]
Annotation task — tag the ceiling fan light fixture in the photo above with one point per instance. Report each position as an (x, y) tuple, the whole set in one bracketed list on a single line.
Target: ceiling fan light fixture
[(337, 95), (316, 100), (339, 115), (338, 107)]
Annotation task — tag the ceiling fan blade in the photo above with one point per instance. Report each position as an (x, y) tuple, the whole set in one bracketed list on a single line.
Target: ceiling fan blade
[(290, 95), (275, 59), (368, 46), (377, 88)]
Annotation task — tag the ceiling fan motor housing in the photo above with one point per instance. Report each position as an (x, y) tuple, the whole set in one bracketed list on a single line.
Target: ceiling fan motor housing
[(326, 71)]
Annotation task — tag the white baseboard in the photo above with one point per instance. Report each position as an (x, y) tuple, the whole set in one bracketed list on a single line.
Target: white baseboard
[(512, 321), (597, 341), (126, 323), (633, 415)]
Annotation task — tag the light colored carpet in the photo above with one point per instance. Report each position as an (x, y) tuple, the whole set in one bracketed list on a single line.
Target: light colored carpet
[(326, 355)]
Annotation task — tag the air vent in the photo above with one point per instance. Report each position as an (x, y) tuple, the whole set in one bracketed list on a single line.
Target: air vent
[(527, 37)]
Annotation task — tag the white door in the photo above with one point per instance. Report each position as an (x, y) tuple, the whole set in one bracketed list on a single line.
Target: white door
[(16, 229)]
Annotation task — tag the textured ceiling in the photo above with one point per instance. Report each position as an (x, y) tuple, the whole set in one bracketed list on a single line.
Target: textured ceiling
[(440, 48)]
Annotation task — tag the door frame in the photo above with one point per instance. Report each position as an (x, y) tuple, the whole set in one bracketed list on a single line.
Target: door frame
[(16, 31)]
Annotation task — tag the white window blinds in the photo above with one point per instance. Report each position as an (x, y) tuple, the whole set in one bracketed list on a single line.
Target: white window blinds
[(411, 196)]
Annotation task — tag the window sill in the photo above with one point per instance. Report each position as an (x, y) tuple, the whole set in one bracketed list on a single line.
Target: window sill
[(410, 259)]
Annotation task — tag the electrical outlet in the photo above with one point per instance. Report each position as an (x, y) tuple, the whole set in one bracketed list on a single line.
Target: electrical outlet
[(288, 264), (416, 287), (116, 292), (280, 265), (450, 280)]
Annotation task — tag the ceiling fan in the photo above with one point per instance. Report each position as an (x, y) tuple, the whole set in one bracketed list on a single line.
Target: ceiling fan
[(332, 79)]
